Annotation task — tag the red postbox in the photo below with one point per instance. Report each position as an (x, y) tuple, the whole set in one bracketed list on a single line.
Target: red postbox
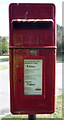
[(32, 58)]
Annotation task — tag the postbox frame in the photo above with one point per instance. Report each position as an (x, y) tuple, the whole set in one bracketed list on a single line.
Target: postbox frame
[(49, 107)]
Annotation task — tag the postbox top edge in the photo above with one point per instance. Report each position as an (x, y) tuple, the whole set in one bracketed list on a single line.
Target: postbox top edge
[(17, 4)]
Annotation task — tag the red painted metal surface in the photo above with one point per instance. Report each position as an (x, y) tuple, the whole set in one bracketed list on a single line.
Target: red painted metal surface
[(32, 37)]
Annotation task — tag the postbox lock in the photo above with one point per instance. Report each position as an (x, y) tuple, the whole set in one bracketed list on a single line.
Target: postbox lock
[(33, 52)]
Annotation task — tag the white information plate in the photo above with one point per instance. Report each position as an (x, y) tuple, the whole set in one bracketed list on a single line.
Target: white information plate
[(33, 76)]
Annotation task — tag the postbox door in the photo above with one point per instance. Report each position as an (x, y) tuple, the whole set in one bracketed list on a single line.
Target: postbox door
[(32, 83)]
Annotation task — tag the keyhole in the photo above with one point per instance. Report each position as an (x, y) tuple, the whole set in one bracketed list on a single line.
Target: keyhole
[(20, 80)]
